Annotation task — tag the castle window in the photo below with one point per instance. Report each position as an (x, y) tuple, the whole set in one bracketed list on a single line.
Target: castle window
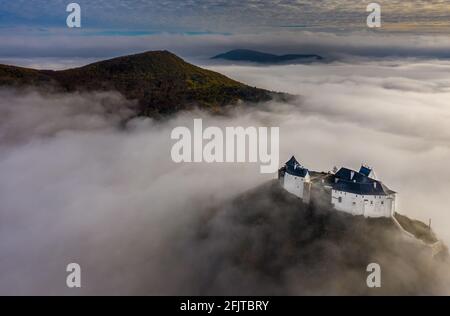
[(382, 202), (340, 199)]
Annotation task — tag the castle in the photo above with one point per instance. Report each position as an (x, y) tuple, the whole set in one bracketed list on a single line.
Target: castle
[(350, 191)]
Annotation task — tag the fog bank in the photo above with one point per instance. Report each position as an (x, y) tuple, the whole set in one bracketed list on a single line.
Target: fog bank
[(82, 183)]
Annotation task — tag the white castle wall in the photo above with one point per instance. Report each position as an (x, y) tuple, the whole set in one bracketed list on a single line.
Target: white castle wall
[(295, 184), (366, 205)]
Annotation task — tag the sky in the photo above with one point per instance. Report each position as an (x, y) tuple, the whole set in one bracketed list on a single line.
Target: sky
[(200, 28), (224, 15)]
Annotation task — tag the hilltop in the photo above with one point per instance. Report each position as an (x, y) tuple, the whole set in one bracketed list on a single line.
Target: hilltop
[(277, 245), (265, 58), (160, 81)]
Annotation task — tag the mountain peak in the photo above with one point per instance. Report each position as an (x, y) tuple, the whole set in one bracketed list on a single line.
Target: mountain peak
[(160, 81), (260, 57)]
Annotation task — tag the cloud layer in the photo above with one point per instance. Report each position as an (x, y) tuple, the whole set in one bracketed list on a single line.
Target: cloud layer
[(392, 115), (82, 184), (61, 50)]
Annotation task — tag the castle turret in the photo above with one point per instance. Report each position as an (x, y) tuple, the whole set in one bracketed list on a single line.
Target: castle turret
[(295, 178)]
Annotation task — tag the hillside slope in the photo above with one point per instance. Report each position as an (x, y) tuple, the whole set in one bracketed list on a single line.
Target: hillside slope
[(160, 81), (273, 244)]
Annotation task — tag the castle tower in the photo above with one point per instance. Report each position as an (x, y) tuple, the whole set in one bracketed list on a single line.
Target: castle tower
[(296, 179)]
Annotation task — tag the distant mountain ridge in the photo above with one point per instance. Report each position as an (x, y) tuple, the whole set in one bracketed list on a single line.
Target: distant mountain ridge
[(160, 81), (260, 57)]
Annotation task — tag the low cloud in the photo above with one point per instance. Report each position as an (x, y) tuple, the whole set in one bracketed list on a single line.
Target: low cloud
[(83, 183), (61, 50)]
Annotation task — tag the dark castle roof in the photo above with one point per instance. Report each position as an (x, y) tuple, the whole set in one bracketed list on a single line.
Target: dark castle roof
[(351, 181), (295, 169)]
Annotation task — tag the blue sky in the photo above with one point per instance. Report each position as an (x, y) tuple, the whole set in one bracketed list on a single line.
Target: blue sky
[(37, 28), (223, 15)]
